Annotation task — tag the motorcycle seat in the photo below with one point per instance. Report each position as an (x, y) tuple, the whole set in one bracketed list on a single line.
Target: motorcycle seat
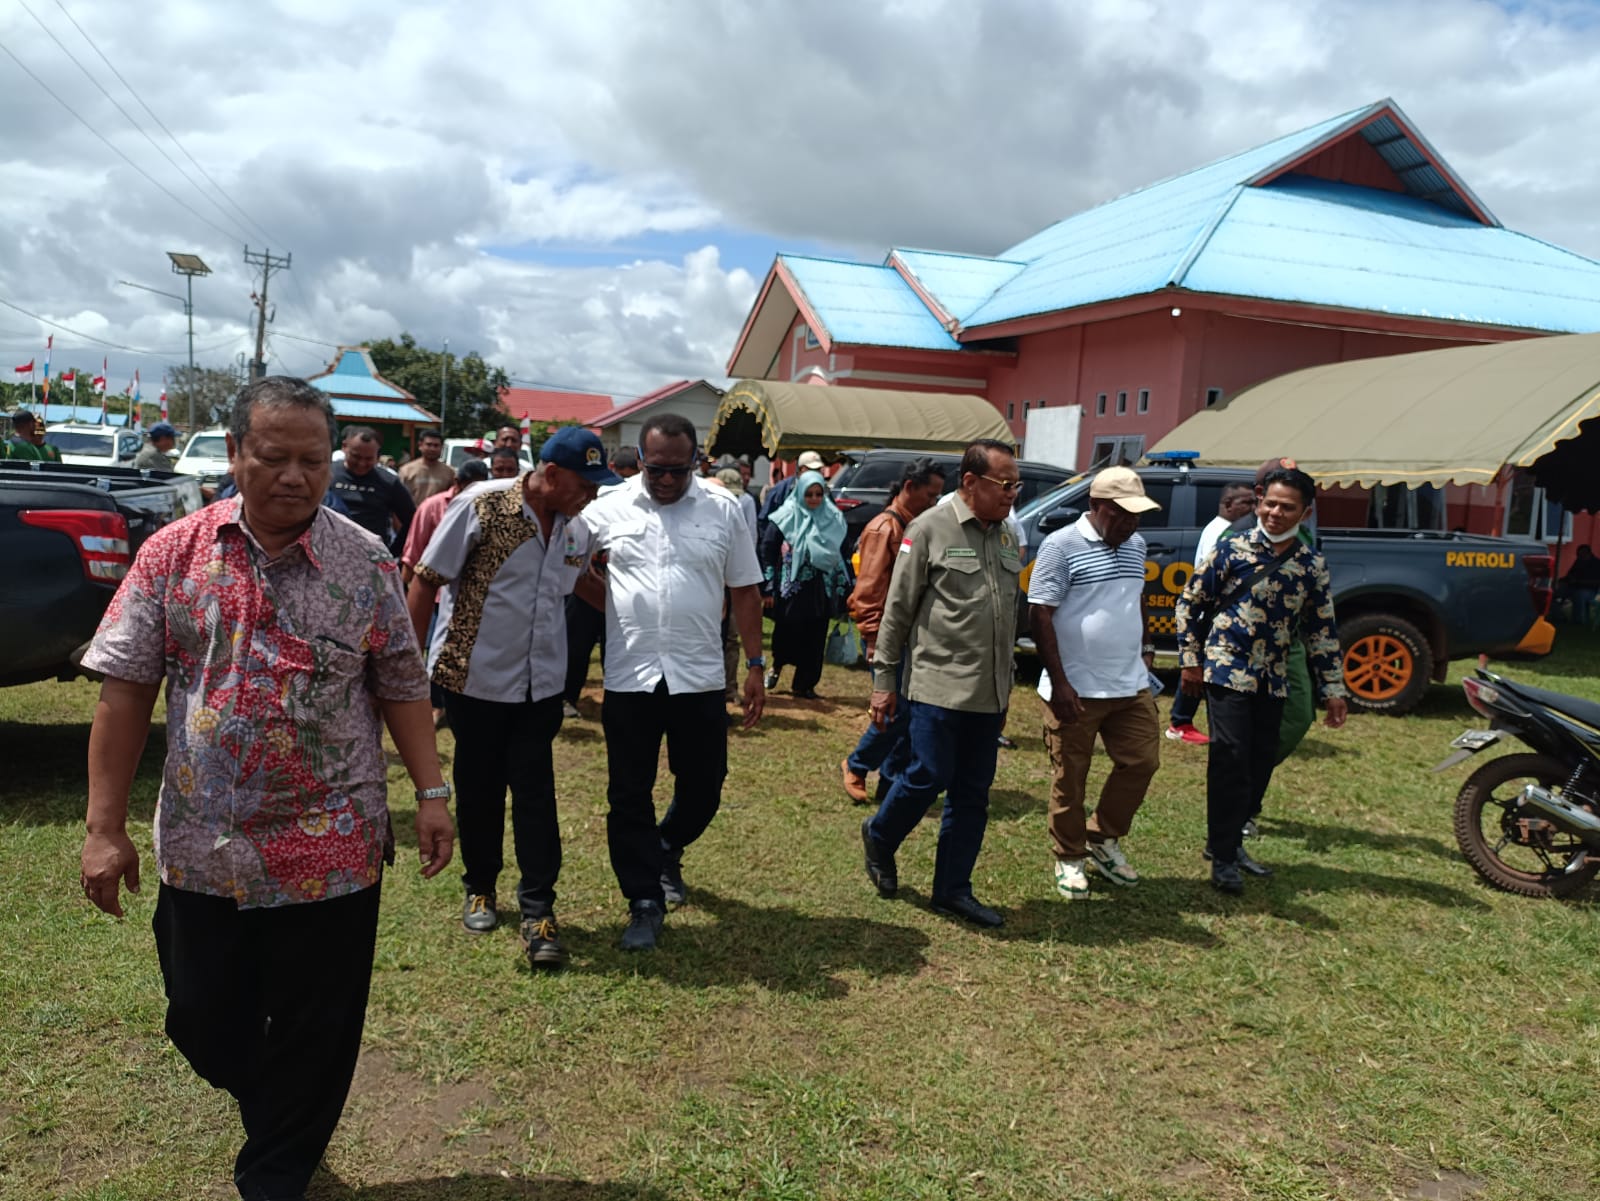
[(1587, 712)]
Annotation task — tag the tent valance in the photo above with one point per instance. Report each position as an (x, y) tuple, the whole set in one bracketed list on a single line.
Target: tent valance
[(778, 419), (1459, 416)]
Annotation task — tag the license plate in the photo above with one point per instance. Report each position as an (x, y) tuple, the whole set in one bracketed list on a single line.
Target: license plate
[(1476, 740)]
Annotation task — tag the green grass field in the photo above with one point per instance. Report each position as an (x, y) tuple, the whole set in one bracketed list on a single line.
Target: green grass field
[(1372, 1023)]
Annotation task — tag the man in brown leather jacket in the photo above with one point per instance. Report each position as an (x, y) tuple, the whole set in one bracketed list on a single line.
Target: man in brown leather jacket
[(919, 489)]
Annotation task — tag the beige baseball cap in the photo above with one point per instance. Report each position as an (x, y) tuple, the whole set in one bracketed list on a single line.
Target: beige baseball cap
[(1123, 485), (810, 461)]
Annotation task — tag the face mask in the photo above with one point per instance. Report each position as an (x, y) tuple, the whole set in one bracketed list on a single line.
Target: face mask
[(1292, 532)]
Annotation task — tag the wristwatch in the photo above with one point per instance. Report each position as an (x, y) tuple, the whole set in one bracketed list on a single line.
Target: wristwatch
[(756, 661), (439, 793)]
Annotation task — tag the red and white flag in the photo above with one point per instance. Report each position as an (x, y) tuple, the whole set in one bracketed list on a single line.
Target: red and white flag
[(98, 383), (527, 428), (25, 369), (163, 398), (70, 378)]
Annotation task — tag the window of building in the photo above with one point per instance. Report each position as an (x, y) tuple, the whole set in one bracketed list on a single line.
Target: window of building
[(1100, 405), (1213, 397), (1122, 404), (1011, 410), (1117, 451), (1144, 400), (1025, 405), (1530, 515), (811, 338)]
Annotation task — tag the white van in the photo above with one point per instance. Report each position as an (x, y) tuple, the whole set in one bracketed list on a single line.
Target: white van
[(94, 445)]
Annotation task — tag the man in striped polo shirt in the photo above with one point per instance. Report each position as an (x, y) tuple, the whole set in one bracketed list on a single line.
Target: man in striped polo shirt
[(1086, 600)]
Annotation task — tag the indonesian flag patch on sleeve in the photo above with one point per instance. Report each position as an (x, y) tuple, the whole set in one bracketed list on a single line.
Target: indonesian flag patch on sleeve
[(905, 545)]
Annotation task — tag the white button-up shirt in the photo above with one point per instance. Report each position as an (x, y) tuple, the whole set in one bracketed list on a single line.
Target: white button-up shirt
[(666, 570), (502, 628)]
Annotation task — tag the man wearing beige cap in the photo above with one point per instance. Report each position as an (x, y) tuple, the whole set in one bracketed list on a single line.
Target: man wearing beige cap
[(1086, 601)]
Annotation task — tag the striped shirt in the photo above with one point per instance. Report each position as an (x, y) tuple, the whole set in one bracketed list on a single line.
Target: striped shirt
[(1098, 596)]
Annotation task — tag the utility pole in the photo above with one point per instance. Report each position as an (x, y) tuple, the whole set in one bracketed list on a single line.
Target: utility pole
[(444, 371), (268, 262)]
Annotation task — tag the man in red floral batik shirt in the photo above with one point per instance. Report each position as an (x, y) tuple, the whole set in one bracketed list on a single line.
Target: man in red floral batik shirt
[(281, 632)]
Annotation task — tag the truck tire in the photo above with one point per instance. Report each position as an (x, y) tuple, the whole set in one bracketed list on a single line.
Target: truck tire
[(1387, 663)]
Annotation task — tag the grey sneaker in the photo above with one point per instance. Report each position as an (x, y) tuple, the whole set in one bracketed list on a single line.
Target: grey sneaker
[(644, 926), (569, 711), (480, 914)]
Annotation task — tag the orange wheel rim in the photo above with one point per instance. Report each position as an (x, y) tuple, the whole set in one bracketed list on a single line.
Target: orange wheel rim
[(1378, 667)]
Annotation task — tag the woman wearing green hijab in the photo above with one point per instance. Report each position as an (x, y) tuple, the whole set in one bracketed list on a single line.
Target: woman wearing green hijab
[(806, 578)]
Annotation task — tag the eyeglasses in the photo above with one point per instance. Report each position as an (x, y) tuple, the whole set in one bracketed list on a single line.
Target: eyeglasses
[(1004, 485), (656, 470)]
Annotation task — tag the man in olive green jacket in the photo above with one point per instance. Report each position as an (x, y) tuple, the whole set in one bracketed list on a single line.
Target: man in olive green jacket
[(951, 617)]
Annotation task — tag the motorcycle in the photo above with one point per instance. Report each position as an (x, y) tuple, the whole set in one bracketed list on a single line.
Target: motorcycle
[(1530, 823)]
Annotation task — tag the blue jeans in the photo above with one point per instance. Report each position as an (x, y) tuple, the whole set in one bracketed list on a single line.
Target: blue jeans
[(954, 753), (885, 751)]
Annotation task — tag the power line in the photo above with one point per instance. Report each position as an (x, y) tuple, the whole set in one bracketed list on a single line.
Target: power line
[(278, 333), (113, 345), (112, 68), (113, 148), (161, 150)]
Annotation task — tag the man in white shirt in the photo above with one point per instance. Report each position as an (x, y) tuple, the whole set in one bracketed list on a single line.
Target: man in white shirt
[(507, 553), (1236, 501), (1086, 599), (672, 545)]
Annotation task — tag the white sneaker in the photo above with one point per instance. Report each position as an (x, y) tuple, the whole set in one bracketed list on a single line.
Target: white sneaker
[(568, 709), (1071, 881), (1111, 863)]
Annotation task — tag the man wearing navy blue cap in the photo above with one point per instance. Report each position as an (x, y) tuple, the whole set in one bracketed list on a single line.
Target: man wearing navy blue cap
[(506, 556), (156, 454)]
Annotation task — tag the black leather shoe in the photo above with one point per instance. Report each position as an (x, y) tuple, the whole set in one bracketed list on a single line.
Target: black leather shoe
[(1251, 866), (880, 866), (541, 940), (673, 889), (968, 908), (1225, 877), (644, 926)]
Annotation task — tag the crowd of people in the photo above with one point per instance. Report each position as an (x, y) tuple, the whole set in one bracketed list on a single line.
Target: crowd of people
[(289, 635)]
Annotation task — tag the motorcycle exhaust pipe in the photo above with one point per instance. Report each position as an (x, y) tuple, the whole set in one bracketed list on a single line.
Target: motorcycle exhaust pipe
[(1562, 814)]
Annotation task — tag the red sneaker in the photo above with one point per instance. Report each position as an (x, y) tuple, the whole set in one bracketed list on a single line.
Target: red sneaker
[(1187, 733)]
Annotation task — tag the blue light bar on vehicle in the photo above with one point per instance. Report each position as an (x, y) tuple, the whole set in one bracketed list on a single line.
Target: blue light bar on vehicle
[(1173, 456)]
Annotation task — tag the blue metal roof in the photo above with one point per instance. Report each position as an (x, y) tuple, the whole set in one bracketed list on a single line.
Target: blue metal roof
[(960, 282), (857, 303), (378, 410), (1244, 226), (353, 374), (77, 414), (1320, 242)]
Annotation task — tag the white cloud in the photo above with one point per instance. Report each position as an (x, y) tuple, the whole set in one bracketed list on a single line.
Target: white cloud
[(393, 150)]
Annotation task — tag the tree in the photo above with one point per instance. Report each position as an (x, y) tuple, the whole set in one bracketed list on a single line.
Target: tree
[(472, 386), (214, 390)]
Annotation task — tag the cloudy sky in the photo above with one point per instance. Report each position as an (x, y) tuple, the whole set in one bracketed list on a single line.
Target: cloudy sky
[(590, 194)]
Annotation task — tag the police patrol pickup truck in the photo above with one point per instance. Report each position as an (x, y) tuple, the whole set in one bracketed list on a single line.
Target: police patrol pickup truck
[(1408, 601)]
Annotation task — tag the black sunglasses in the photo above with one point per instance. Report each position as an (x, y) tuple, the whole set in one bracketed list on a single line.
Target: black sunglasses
[(657, 470)]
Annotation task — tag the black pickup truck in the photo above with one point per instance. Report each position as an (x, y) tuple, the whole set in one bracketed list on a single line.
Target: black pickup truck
[(1408, 601), (67, 536)]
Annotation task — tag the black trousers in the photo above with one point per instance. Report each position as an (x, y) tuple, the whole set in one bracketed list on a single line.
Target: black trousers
[(586, 626), (800, 641), (696, 729), (1244, 746), (502, 745), (269, 1004)]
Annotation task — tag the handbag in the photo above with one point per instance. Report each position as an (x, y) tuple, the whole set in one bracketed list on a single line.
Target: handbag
[(844, 644), (1203, 622)]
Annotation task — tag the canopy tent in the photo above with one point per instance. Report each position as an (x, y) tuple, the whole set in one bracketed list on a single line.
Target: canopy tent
[(777, 419), (1438, 416)]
